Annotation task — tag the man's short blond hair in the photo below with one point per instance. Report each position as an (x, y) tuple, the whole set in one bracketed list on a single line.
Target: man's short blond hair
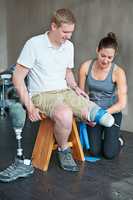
[(63, 15)]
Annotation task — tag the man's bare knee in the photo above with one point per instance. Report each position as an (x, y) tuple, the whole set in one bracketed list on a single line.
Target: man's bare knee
[(63, 115)]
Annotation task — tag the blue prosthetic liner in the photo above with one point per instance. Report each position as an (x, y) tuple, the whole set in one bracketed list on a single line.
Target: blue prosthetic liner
[(85, 141), (99, 115)]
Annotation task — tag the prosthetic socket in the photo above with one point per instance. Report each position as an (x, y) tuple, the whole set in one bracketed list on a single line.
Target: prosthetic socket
[(18, 116), (101, 116)]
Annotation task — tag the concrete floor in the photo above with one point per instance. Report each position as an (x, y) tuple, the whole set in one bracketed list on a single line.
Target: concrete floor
[(102, 180)]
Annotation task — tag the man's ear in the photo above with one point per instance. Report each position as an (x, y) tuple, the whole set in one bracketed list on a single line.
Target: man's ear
[(53, 26)]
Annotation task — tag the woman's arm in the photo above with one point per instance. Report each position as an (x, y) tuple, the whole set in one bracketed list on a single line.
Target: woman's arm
[(120, 78), (83, 71)]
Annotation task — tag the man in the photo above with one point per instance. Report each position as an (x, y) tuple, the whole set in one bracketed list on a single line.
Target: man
[(47, 60)]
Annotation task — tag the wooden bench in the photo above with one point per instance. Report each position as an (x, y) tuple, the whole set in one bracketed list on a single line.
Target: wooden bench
[(45, 144)]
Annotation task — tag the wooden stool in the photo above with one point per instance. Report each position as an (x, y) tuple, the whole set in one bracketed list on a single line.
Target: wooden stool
[(45, 144)]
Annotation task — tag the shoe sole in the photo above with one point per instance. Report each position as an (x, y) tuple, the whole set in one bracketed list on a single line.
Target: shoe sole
[(69, 170), (13, 179)]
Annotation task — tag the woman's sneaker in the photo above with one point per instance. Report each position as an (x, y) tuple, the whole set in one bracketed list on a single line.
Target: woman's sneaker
[(18, 169), (122, 142)]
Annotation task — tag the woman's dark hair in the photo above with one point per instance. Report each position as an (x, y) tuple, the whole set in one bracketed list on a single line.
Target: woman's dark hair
[(110, 41)]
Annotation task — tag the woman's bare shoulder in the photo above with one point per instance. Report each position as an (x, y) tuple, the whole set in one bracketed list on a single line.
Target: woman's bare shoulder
[(85, 66), (118, 72)]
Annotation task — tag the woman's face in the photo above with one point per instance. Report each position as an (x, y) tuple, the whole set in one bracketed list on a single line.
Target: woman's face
[(105, 57)]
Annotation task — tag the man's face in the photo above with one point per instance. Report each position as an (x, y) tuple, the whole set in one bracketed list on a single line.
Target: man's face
[(62, 33)]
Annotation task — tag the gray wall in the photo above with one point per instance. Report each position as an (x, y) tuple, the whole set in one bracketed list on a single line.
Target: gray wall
[(3, 36), (22, 19)]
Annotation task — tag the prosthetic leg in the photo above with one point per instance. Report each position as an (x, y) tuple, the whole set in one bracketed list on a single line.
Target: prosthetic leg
[(18, 116), (20, 167)]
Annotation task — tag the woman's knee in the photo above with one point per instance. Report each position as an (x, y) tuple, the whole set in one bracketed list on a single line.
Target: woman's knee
[(111, 149), (110, 154)]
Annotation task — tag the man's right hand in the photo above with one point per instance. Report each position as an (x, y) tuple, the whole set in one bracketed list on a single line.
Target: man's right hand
[(34, 113)]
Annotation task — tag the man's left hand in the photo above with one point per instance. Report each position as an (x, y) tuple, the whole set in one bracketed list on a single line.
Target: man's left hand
[(81, 92)]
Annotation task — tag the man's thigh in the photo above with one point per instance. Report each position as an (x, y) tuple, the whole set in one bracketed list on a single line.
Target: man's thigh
[(77, 103), (47, 102)]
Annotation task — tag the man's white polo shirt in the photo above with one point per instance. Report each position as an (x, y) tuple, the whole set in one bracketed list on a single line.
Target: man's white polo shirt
[(47, 64)]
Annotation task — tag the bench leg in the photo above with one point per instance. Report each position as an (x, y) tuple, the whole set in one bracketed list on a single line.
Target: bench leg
[(78, 153), (44, 145)]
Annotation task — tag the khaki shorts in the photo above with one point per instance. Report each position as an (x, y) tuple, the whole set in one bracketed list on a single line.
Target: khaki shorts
[(47, 102)]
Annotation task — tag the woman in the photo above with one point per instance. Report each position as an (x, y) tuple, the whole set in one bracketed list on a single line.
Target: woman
[(106, 83)]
